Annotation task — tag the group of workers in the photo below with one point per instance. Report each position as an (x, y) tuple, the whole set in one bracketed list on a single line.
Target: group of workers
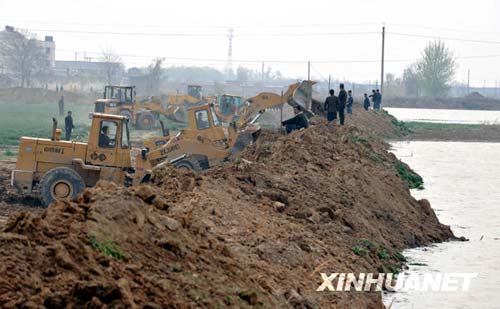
[(335, 105)]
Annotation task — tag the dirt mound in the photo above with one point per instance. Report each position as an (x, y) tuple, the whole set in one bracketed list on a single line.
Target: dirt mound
[(257, 231)]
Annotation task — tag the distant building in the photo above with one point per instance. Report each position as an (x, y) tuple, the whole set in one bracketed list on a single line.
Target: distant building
[(48, 46)]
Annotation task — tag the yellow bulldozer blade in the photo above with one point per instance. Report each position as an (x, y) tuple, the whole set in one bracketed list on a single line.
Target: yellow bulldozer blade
[(302, 97)]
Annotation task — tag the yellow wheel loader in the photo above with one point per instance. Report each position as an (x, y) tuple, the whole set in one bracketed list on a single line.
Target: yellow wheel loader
[(59, 170), (144, 114), (228, 106), (120, 100)]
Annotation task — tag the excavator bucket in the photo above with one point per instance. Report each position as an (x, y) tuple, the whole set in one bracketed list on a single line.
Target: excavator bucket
[(302, 97)]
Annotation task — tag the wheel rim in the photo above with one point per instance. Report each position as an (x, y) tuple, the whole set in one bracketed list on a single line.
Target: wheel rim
[(61, 190)]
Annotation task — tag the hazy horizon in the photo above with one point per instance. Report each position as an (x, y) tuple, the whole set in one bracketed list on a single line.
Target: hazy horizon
[(339, 38)]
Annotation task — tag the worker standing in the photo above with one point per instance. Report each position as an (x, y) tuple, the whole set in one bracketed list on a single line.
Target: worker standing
[(379, 99), (366, 102), (61, 106), (331, 106), (350, 101), (341, 103), (68, 125)]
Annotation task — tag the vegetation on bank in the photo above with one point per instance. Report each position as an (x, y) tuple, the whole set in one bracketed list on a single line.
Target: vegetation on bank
[(414, 125), (415, 181)]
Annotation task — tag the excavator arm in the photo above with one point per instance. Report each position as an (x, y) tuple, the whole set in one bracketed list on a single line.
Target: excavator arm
[(297, 95)]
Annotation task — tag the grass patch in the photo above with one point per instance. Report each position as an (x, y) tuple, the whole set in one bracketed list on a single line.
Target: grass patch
[(359, 250), (399, 256), (414, 180), (415, 125), (382, 254), (358, 139), (108, 248), (9, 153)]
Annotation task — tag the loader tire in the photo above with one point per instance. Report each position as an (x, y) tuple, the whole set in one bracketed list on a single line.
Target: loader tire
[(125, 113), (145, 121), (189, 164), (60, 183)]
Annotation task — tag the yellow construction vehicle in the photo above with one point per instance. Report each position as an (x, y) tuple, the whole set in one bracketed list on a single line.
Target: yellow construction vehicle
[(121, 100), (228, 106), (62, 169), (58, 169), (144, 114), (206, 143)]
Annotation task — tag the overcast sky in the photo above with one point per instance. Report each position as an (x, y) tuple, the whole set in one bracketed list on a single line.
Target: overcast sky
[(341, 38)]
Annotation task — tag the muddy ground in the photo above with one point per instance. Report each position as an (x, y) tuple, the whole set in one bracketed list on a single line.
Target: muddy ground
[(255, 232)]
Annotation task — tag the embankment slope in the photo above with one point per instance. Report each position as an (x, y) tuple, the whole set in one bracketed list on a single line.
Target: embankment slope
[(257, 231)]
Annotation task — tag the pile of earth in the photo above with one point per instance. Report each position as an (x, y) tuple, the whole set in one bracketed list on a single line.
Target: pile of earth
[(255, 232)]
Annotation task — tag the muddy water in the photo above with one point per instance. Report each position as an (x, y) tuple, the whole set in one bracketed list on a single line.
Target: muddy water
[(445, 115), (462, 182)]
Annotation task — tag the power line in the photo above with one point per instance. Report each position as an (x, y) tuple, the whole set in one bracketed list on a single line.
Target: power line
[(203, 34), (443, 38), (443, 28), (271, 60), (191, 26)]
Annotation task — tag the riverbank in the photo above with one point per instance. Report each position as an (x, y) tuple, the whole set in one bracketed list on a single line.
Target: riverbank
[(255, 232), (467, 103), (452, 132)]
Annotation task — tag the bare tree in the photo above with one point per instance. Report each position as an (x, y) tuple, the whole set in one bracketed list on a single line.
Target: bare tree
[(154, 76), (23, 57), (112, 65)]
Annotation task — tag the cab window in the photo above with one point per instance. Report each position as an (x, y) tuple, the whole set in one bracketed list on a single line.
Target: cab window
[(125, 135), (202, 120), (128, 95), (107, 134), (214, 116)]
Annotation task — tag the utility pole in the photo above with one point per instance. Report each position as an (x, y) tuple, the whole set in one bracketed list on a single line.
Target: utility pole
[(308, 70), (329, 81), (76, 56), (262, 70), (468, 81), (382, 62)]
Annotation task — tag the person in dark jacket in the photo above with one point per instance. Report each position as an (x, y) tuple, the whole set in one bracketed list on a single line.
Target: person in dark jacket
[(297, 122), (366, 102), (60, 104), (341, 103), (379, 99), (68, 125), (350, 101), (331, 106)]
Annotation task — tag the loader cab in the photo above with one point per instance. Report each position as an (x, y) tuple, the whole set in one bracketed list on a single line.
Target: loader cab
[(114, 99), (229, 104), (119, 94), (194, 91), (203, 121), (109, 143)]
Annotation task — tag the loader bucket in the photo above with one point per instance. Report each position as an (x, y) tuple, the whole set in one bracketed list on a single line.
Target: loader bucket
[(302, 97), (244, 139)]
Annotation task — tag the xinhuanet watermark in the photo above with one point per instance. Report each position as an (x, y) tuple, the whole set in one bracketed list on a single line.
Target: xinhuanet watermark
[(446, 282)]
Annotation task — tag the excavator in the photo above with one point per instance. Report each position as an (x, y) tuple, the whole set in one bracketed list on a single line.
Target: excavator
[(57, 170)]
